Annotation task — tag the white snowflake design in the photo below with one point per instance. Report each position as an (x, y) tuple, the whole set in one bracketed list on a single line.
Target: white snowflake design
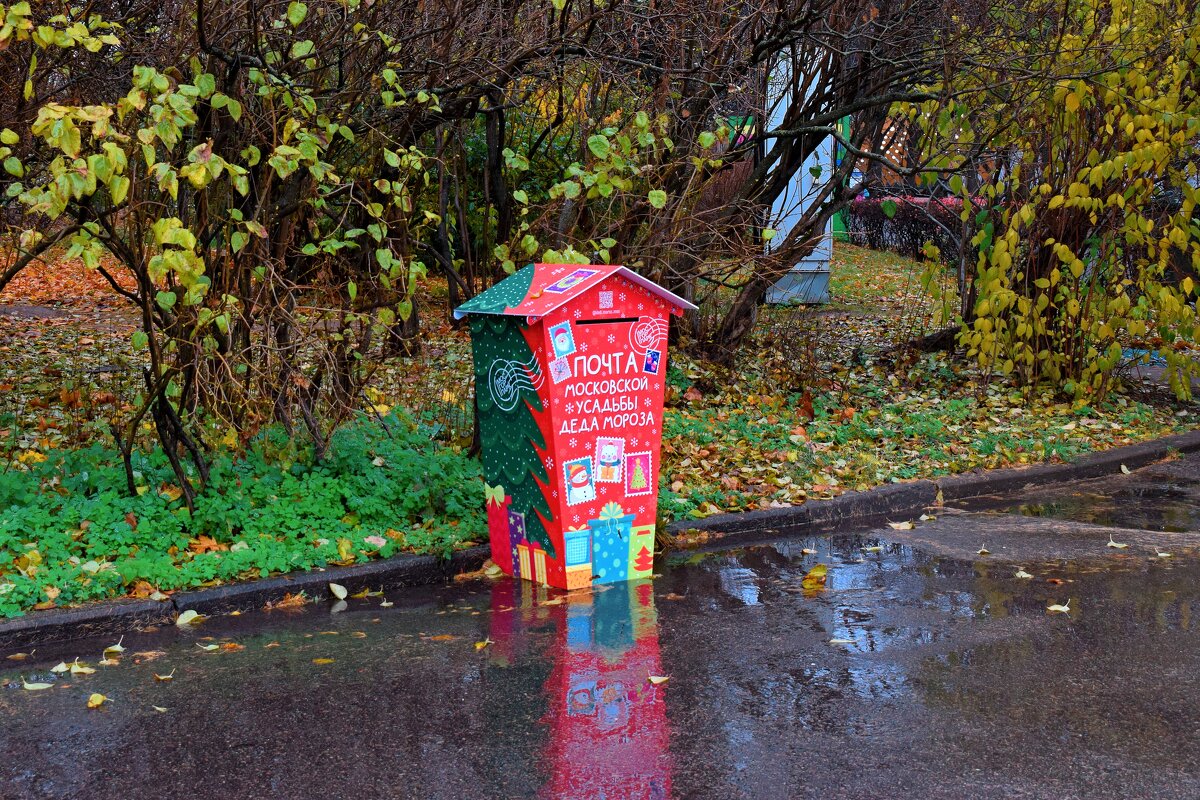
[(641, 306), (575, 518), (572, 443), (554, 493), (588, 447), (578, 313), (611, 338), (641, 509), (558, 271), (648, 402), (635, 442), (621, 297), (583, 347), (549, 462)]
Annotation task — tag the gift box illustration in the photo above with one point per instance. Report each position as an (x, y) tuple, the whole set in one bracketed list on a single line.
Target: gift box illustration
[(570, 365)]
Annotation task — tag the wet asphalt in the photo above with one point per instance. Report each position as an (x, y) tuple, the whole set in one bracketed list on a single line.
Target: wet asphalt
[(923, 669)]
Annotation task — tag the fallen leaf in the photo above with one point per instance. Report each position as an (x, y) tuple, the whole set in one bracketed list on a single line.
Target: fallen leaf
[(159, 709), (208, 648), (874, 549), (149, 655), (658, 679), (1125, 469), (1161, 554), (386, 604), (289, 602), (81, 669), (926, 518), (901, 526), (358, 634), (1117, 545), (34, 687), (808, 551), (1065, 608), (983, 551), (109, 662), (114, 648), (338, 591), (269, 645), (232, 647), (1020, 573), (61, 667), (815, 578), (170, 676), (442, 637), (323, 661), (841, 641), (189, 617), (18, 656), (483, 644), (1055, 581), (96, 700)]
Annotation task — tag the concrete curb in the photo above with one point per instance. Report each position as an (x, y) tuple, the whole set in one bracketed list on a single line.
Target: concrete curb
[(910, 499), (898, 500), (115, 616)]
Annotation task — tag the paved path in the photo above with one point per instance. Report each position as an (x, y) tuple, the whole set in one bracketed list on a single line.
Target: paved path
[(922, 670)]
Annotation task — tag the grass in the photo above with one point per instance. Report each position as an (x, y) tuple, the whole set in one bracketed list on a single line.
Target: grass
[(821, 402)]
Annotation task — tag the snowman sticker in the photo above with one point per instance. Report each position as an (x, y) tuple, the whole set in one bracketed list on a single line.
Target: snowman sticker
[(580, 486), (562, 339)]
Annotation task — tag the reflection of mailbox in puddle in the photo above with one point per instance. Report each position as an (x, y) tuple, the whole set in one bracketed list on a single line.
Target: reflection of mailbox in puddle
[(570, 368), (609, 733)]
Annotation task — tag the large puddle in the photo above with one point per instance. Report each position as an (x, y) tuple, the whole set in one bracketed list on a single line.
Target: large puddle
[(905, 674)]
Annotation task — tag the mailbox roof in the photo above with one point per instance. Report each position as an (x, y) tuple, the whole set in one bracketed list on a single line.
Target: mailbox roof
[(538, 289)]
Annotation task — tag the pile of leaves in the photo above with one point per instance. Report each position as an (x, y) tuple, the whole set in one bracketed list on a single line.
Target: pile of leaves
[(72, 532)]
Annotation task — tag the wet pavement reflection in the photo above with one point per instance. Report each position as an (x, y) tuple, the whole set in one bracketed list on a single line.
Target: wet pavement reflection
[(908, 674)]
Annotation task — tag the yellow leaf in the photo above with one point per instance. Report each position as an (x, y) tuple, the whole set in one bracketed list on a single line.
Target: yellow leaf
[(901, 526), (658, 679), (208, 648), (483, 644), (1124, 469), (96, 700), (875, 549), (983, 551), (1117, 545), (80, 669), (815, 578), (323, 661), (34, 687), (62, 667), (1055, 608), (337, 590), (808, 551), (159, 709), (189, 617), (1022, 574), (1161, 554), (386, 604), (114, 648), (170, 676), (841, 641)]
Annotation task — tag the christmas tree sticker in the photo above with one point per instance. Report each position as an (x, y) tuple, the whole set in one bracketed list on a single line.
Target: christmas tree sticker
[(637, 474), (507, 376), (644, 560)]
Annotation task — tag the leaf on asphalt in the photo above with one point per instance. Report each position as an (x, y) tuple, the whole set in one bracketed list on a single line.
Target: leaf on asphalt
[(658, 679), (81, 669), (926, 518), (189, 617), (60, 667), (983, 551), (1055, 581), (170, 676), (808, 551), (815, 578), (109, 662), (269, 645), (159, 709), (874, 549), (442, 637), (208, 648), (232, 647), (1125, 469), (1020, 573), (289, 602), (323, 661), (96, 700), (493, 570), (149, 655), (338, 591), (34, 687), (483, 644), (18, 656), (901, 526), (1055, 608), (1161, 554), (358, 634), (841, 641), (387, 604), (1117, 545), (114, 648)]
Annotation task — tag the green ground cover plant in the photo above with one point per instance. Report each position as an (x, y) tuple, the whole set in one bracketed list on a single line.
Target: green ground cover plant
[(71, 532)]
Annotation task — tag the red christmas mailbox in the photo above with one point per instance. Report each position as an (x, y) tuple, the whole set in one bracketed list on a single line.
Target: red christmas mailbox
[(570, 364)]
